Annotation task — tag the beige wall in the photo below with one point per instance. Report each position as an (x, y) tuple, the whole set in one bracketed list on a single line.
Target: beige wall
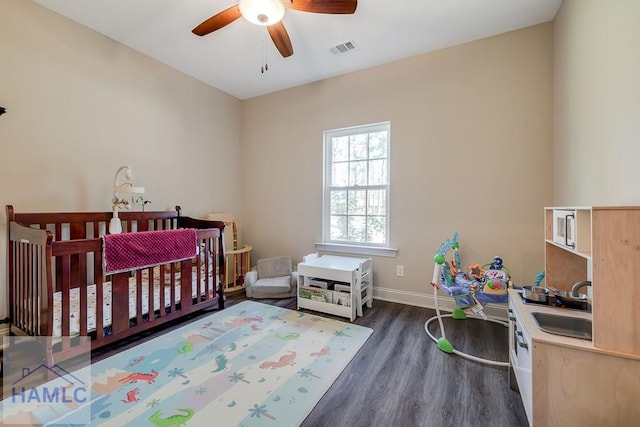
[(80, 105), (471, 152), (597, 103), (471, 142)]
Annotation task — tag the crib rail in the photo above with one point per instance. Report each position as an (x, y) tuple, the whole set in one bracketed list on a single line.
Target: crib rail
[(86, 225)]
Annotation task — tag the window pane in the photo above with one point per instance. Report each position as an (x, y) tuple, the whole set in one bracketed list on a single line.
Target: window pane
[(359, 149), (358, 175), (376, 226), (357, 228), (378, 145), (338, 228), (378, 172), (338, 202), (377, 202), (340, 149), (340, 175), (357, 202)]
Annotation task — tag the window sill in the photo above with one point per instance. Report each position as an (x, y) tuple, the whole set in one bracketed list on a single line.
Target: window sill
[(357, 250)]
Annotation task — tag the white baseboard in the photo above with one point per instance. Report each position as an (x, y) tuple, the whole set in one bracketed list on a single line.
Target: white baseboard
[(445, 303)]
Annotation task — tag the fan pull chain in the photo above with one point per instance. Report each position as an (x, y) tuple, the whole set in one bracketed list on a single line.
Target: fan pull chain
[(264, 67)]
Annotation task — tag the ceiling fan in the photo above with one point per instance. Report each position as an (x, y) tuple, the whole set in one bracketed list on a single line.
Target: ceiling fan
[(269, 13)]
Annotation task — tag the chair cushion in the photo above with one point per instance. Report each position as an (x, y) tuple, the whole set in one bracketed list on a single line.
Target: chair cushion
[(274, 267), (272, 285)]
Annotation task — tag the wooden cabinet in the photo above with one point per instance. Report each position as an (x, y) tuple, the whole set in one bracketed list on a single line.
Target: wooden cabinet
[(574, 387), (607, 252)]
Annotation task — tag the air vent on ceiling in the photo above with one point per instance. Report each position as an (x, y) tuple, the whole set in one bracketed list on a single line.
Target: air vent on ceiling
[(343, 48)]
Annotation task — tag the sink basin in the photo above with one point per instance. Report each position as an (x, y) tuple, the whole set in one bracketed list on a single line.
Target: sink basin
[(564, 325)]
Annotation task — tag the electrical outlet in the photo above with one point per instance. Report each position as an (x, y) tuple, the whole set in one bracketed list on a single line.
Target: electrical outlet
[(400, 270)]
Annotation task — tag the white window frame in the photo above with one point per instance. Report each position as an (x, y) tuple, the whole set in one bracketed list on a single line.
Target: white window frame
[(370, 248)]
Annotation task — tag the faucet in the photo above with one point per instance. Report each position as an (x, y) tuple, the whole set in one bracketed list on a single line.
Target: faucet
[(576, 287)]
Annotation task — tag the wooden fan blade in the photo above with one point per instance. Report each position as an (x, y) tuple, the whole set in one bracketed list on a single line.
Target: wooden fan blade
[(281, 39), (217, 21), (323, 6)]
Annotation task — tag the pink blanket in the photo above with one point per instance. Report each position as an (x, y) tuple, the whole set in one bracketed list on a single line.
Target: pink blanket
[(131, 251)]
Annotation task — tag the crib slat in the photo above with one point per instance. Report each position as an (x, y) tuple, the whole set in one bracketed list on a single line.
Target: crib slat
[(207, 265), (25, 286), (32, 291), (20, 288), (57, 237), (143, 225), (172, 289), (77, 230), (150, 294), (186, 284), (83, 303), (99, 302), (119, 302), (139, 296), (97, 280), (199, 282), (162, 287), (66, 303)]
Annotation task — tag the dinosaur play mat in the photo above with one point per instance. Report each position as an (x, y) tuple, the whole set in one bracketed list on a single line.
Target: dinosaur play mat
[(251, 364)]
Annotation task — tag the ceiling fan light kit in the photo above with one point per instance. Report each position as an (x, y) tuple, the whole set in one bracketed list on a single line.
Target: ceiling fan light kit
[(269, 13), (262, 12)]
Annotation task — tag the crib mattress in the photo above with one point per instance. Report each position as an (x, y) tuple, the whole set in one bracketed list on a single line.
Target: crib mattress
[(74, 303)]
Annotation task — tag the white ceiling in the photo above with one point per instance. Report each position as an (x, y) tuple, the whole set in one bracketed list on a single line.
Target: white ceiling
[(230, 59)]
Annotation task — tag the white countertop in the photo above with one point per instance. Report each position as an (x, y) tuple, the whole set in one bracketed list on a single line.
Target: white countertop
[(334, 262), (525, 310), (524, 314)]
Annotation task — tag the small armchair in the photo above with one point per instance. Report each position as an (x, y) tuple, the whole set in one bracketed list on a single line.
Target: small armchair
[(272, 278)]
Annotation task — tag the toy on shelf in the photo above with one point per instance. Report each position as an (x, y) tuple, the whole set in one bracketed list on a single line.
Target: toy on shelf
[(470, 290)]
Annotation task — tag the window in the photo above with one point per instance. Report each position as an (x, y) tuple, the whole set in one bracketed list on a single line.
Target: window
[(356, 186)]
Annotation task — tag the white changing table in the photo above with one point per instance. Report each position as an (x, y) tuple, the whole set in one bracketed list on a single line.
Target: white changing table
[(357, 272)]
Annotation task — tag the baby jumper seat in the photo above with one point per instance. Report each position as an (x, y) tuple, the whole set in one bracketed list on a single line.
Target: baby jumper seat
[(471, 290)]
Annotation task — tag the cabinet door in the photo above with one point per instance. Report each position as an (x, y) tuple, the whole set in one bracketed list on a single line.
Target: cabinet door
[(616, 272), (520, 350)]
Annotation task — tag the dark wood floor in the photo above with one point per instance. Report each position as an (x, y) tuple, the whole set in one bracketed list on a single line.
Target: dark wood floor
[(401, 378)]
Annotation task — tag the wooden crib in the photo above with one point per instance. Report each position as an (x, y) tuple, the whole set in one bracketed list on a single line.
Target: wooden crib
[(56, 280)]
